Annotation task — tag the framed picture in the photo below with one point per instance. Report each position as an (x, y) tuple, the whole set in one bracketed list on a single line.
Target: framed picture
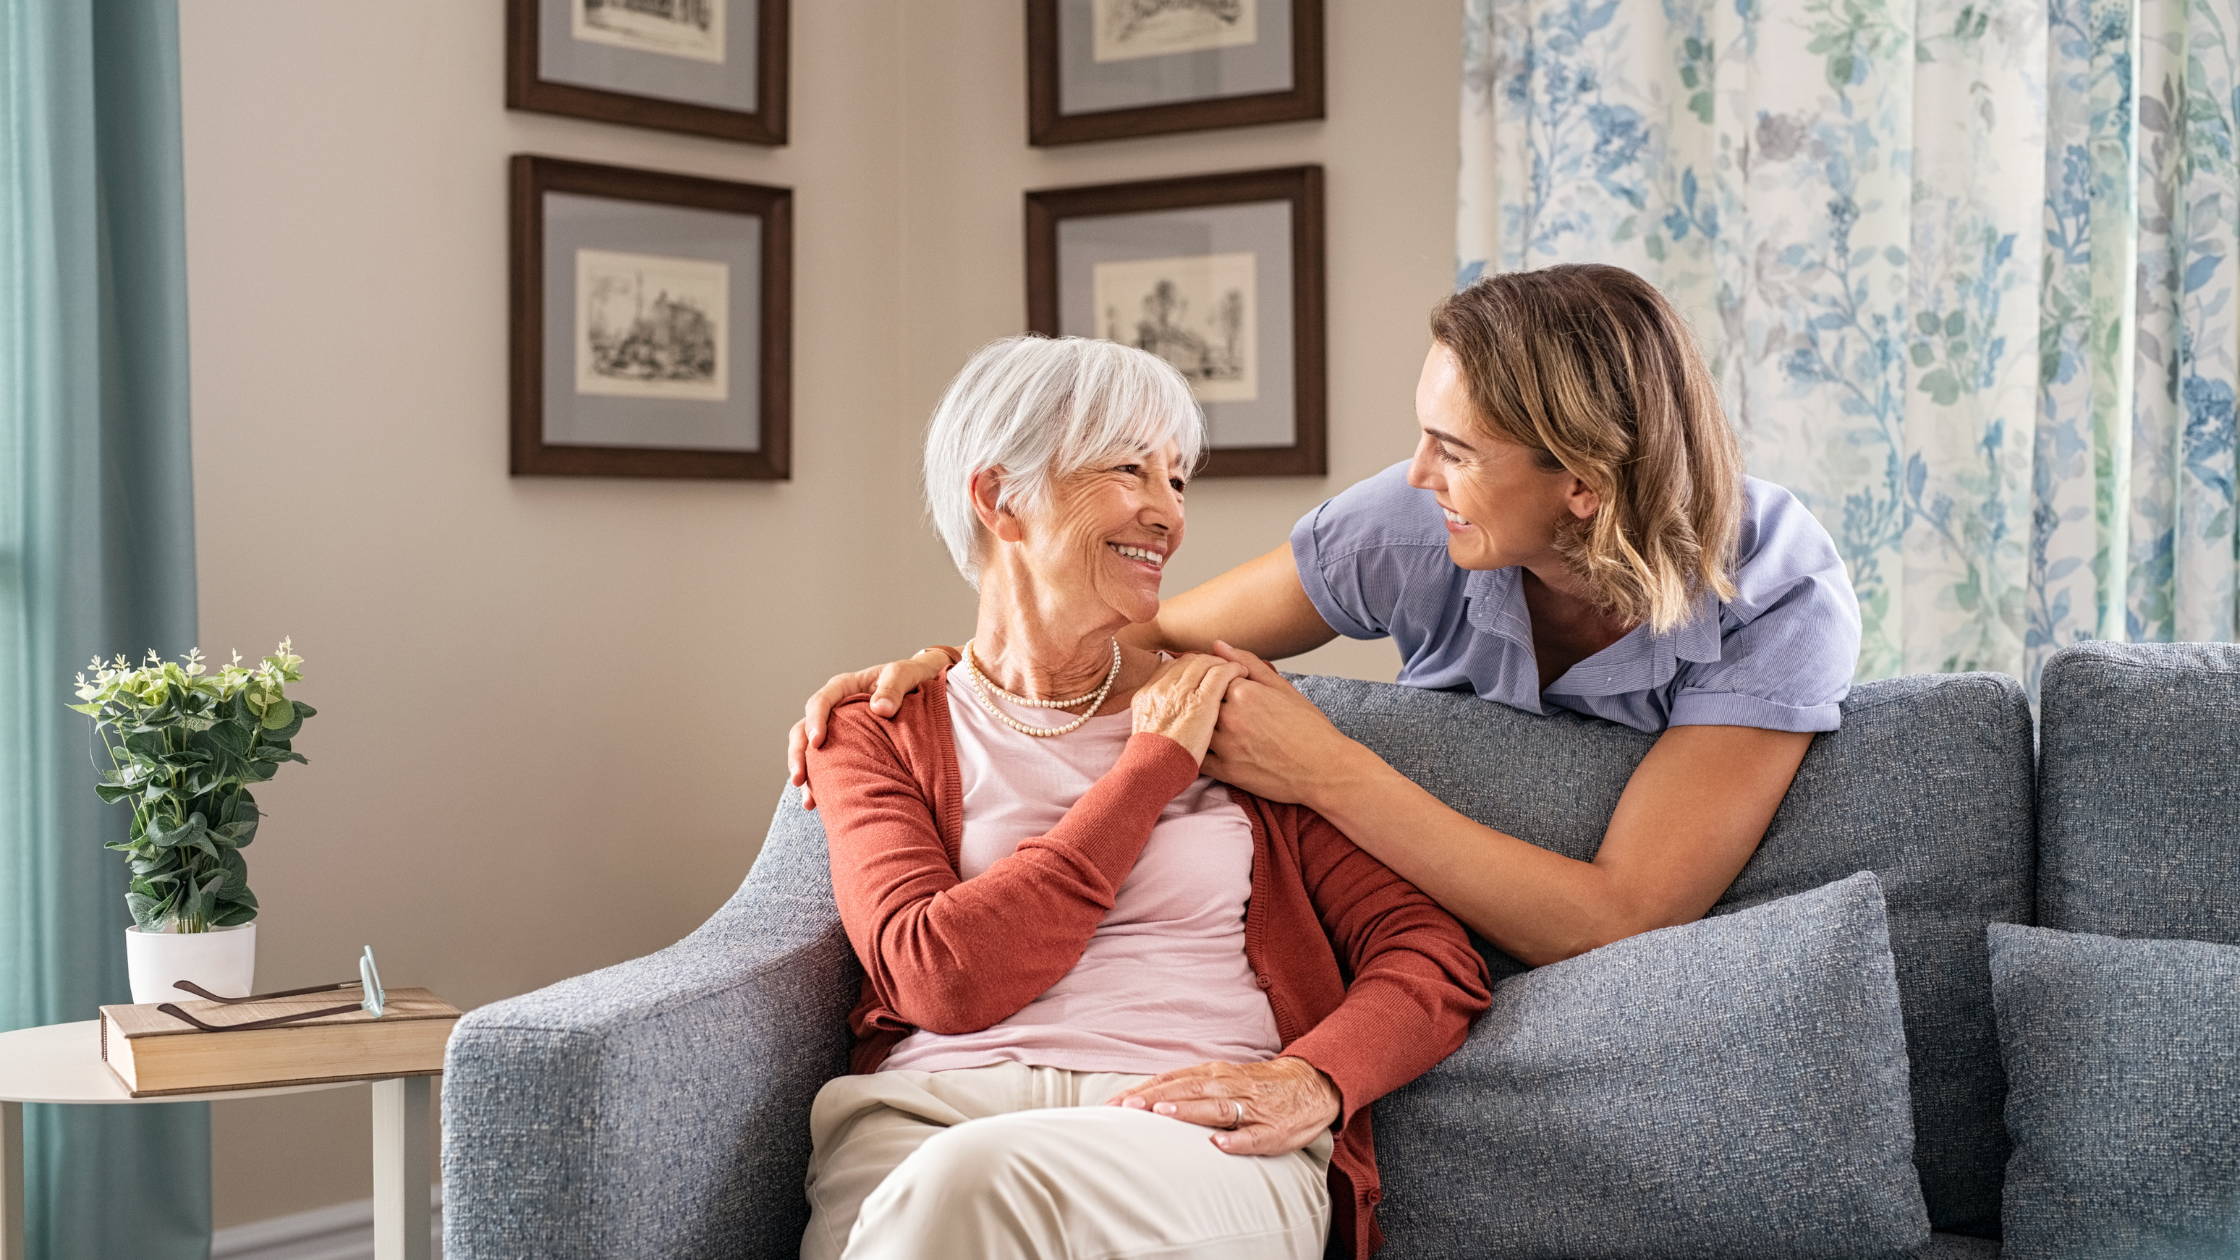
[(1104, 69), (708, 67), (1220, 275), (652, 323)]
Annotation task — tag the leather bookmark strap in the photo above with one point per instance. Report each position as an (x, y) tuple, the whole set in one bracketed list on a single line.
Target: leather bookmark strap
[(277, 1020), (207, 996)]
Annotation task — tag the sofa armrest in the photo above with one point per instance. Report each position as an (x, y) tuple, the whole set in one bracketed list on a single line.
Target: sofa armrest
[(659, 1107)]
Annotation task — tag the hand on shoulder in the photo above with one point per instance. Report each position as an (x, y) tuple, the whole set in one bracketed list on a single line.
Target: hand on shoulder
[(882, 688)]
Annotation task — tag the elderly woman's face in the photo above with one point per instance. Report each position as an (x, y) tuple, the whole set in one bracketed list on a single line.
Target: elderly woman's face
[(1109, 531)]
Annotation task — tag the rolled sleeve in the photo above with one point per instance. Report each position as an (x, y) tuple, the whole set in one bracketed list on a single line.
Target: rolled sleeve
[(1786, 668), (1365, 553), (1308, 547), (1733, 708)]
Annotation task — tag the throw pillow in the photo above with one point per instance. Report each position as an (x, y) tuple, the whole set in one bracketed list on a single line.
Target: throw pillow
[(2123, 1095), (1733, 1088)]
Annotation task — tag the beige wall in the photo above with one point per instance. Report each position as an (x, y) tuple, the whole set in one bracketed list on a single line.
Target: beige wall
[(1389, 149), (552, 710)]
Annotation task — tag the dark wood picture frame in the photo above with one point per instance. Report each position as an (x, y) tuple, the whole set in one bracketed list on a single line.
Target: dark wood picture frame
[(1301, 186), (1047, 126), (765, 125), (531, 178)]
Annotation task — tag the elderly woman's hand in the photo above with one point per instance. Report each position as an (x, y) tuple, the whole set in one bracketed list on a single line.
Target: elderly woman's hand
[(1270, 1108), (1183, 699), (1272, 741)]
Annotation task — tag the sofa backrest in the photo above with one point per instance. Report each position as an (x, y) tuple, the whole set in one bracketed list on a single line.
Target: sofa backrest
[(2139, 791), (1928, 784)]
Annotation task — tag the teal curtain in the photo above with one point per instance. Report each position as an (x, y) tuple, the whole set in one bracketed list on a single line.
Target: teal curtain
[(96, 557), (1969, 271)]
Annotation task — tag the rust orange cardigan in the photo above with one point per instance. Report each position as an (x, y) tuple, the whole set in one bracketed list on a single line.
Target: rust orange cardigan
[(952, 955)]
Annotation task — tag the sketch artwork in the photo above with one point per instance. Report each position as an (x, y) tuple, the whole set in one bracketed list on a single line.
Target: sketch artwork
[(675, 28), (651, 327), (1195, 312), (1127, 29)]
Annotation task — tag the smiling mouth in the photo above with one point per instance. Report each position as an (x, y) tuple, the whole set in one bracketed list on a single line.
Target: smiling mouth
[(1453, 519), (1152, 558)]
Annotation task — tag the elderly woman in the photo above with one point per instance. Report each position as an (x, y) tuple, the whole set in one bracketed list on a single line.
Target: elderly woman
[(1107, 1009), (1573, 532)]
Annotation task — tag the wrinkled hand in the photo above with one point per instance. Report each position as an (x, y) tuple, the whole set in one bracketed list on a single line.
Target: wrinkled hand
[(1272, 741), (888, 684), (1183, 700), (1286, 1103)]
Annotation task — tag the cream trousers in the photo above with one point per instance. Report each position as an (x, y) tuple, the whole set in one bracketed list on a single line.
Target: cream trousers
[(1016, 1161)]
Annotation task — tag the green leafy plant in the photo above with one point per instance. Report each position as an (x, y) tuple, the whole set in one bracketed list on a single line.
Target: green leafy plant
[(184, 745)]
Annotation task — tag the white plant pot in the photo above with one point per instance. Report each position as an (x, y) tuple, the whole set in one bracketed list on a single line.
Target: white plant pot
[(222, 960)]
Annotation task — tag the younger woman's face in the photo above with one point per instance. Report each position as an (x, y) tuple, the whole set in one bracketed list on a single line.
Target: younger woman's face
[(1502, 507)]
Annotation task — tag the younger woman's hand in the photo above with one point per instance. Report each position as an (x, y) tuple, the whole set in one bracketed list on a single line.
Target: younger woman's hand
[(1272, 741), (1271, 1108), (1183, 699), (888, 684)]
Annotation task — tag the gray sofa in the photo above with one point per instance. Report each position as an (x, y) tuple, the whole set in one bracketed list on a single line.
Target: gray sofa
[(658, 1108)]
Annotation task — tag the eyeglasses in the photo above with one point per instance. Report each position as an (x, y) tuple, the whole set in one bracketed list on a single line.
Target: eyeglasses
[(368, 981)]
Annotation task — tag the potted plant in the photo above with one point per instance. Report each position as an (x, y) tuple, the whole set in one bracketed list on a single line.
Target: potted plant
[(184, 745)]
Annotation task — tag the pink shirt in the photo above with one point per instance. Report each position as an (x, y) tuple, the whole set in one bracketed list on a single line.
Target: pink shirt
[(1163, 982)]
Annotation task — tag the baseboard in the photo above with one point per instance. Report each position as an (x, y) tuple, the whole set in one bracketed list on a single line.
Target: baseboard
[(341, 1232)]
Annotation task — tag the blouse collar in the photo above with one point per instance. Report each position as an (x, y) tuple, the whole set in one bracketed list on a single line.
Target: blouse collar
[(1640, 661)]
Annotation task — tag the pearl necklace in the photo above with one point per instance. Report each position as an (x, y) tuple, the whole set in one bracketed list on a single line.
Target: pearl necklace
[(981, 686)]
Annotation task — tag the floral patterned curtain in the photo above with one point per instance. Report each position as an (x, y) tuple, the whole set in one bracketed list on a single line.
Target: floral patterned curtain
[(1965, 270)]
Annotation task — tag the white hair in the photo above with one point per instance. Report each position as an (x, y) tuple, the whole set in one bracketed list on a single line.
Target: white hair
[(1039, 408)]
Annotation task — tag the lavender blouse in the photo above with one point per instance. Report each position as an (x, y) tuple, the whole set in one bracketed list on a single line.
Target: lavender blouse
[(1779, 655)]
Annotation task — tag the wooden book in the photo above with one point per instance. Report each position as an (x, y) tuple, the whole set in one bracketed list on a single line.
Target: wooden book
[(155, 1053)]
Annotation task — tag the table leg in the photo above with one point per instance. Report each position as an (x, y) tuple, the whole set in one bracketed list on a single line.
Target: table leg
[(401, 1119), (11, 1181)]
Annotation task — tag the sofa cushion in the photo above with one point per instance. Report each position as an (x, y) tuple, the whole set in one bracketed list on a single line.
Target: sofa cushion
[(2123, 1098), (1928, 784), (2139, 806), (1732, 1088)]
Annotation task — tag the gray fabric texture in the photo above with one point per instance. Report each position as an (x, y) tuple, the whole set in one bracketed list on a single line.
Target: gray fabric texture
[(660, 1107), (1928, 784), (1733, 1089), (1958, 1247), (2139, 805), (2123, 1063)]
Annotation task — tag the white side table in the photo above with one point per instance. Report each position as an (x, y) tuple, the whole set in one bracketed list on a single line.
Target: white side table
[(61, 1063)]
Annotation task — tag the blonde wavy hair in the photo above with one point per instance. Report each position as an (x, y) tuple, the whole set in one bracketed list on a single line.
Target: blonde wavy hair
[(1590, 368)]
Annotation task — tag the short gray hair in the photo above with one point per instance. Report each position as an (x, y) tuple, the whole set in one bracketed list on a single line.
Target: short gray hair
[(1040, 408)]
